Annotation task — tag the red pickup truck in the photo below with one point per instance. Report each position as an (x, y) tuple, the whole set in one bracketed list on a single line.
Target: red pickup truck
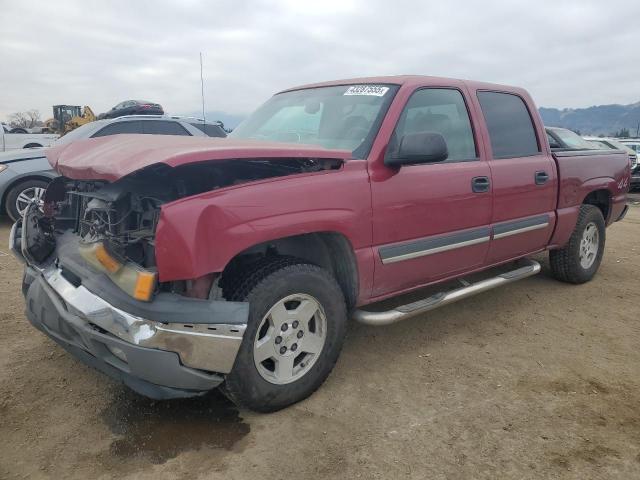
[(177, 265)]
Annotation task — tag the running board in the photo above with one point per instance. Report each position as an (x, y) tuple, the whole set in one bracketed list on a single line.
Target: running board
[(445, 298)]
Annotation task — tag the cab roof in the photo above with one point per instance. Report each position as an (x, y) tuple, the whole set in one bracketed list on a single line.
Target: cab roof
[(412, 81)]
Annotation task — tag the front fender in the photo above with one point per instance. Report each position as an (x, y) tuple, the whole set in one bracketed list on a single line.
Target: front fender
[(201, 234)]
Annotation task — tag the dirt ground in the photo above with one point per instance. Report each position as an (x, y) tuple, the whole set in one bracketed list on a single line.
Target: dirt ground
[(537, 380)]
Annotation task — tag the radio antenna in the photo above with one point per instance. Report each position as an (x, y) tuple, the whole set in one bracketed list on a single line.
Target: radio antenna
[(202, 89)]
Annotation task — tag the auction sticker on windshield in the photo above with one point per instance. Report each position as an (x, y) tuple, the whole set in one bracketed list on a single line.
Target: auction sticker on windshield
[(373, 90)]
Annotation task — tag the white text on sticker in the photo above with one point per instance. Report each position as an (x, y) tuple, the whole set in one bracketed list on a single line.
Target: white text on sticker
[(374, 90)]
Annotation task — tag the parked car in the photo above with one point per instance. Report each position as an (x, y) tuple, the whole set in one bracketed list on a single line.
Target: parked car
[(178, 265), (605, 142), (133, 107), (11, 139), (564, 139), (634, 144), (25, 175)]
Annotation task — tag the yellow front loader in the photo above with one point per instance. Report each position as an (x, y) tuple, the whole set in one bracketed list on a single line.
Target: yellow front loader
[(69, 117)]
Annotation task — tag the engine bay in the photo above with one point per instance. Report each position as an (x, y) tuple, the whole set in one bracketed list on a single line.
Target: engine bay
[(124, 214)]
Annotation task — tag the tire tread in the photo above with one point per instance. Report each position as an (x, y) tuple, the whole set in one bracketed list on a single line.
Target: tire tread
[(244, 285), (563, 262)]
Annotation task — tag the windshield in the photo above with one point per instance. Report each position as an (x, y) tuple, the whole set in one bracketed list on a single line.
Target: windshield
[(79, 133), (573, 140), (345, 117), (620, 146)]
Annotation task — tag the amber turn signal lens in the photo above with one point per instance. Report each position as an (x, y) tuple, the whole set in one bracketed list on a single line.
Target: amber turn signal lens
[(145, 283), (111, 264)]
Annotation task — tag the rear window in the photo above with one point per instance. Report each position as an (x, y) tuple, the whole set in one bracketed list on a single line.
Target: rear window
[(210, 130), (510, 127)]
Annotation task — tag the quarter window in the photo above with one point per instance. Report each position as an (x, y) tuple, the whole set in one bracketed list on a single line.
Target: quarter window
[(443, 111), (509, 123), (210, 130), (164, 127)]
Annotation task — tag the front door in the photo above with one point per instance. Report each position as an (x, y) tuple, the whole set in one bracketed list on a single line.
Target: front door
[(433, 220)]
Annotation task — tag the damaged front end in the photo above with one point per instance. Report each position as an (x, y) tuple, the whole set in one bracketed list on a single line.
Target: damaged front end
[(91, 281)]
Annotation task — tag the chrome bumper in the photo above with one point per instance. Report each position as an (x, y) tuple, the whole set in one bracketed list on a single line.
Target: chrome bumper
[(211, 347)]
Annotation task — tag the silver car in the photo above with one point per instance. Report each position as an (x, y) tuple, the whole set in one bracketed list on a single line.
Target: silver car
[(25, 174)]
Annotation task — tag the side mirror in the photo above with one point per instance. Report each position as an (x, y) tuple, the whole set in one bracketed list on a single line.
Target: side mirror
[(422, 147)]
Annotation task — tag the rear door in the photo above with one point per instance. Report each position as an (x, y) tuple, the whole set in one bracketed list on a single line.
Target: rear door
[(431, 220), (523, 176)]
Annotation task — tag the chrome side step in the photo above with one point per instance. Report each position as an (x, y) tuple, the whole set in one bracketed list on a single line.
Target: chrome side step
[(445, 298)]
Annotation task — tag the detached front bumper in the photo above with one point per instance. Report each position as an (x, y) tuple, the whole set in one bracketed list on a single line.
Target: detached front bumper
[(159, 359)]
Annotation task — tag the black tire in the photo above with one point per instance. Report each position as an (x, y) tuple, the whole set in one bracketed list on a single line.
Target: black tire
[(263, 286), (32, 145), (565, 262), (10, 201), (18, 130)]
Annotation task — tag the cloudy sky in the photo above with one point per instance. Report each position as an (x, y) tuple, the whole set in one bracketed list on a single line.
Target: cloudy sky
[(567, 53)]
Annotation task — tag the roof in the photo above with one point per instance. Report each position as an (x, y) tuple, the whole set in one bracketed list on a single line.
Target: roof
[(408, 80), (161, 117)]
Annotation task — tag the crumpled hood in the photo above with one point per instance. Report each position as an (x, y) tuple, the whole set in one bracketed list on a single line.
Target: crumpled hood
[(112, 157)]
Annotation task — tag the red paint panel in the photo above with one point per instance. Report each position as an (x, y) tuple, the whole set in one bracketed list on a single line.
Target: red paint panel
[(423, 201), (200, 234), (517, 197), (406, 274)]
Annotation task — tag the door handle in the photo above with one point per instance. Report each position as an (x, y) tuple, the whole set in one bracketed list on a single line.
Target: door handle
[(541, 177), (480, 184)]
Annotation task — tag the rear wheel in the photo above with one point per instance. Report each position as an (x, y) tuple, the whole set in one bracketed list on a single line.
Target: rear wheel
[(580, 259), (22, 195), (295, 332)]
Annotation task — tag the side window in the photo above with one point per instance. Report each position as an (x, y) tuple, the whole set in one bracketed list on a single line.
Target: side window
[(164, 127), (119, 127), (209, 129), (509, 123), (443, 111)]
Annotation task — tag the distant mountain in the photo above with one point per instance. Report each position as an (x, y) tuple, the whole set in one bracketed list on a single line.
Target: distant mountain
[(596, 120), (230, 120)]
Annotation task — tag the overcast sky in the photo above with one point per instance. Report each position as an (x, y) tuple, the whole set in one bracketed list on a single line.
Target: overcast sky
[(567, 54)]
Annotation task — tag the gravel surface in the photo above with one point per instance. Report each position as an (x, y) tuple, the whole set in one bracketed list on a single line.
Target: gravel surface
[(536, 380)]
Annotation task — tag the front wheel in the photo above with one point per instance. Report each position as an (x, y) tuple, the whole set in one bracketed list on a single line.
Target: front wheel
[(22, 194), (580, 259), (296, 327)]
